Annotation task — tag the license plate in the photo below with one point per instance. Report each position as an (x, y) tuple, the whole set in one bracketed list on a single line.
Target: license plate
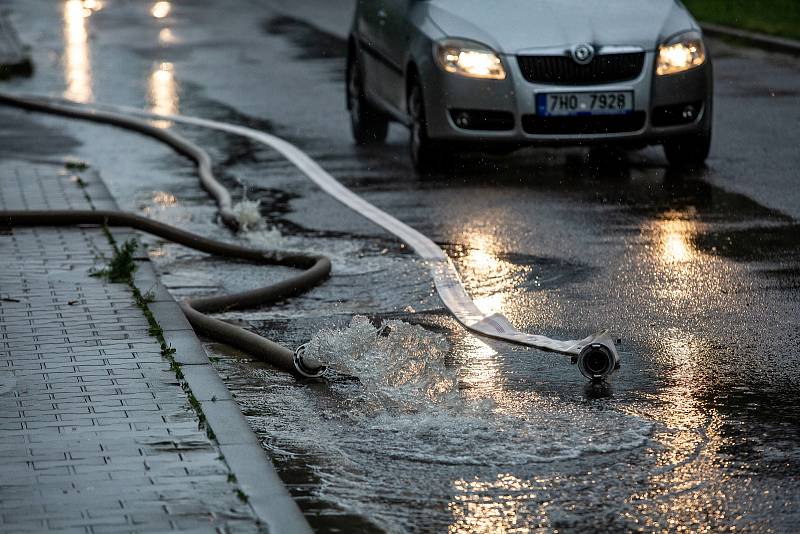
[(584, 103)]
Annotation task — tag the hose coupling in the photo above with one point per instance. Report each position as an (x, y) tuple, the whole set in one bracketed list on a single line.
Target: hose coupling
[(599, 359), (307, 369)]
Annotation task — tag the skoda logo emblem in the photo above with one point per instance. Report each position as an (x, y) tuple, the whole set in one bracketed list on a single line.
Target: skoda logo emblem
[(582, 53)]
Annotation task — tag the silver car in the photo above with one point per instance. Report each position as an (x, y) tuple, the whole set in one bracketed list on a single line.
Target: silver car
[(500, 74)]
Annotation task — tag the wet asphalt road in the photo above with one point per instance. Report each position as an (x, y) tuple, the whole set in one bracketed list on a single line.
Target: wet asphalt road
[(698, 274)]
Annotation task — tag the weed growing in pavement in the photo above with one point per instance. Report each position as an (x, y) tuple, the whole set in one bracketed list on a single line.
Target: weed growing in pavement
[(149, 297), (82, 184), (175, 367), (76, 165), (109, 236), (121, 267), (156, 331)]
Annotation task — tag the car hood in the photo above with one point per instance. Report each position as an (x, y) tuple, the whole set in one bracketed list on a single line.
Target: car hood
[(512, 26)]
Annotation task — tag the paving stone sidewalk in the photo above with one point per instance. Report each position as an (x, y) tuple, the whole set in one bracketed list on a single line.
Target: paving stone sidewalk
[(96, 432)]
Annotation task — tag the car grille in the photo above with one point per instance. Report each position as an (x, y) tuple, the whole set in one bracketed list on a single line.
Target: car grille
[(563, 70), (583, 125)]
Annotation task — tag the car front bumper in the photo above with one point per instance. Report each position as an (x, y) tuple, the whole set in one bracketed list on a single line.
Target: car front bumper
[(504, 111)]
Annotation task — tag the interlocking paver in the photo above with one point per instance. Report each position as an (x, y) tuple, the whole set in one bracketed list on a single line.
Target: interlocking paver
[(97, 435)]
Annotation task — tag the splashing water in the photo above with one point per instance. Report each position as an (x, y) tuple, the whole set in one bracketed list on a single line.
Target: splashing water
[(270, 238), (248, 214), (401, 366), (403, 433), (252, 224), (406, 389)]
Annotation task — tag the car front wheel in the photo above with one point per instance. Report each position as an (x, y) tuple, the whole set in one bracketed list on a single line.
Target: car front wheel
[(688, 150), (369, 125), (425, 155)]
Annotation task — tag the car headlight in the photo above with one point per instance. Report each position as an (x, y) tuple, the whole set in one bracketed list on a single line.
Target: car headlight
[(470, 59), (680, 53)]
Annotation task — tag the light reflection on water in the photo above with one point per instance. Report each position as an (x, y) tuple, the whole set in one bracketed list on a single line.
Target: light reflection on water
[(498, 285), (485, 507), (683, 274), (77, 59), (163, 93), (479, 372), (479, 262), (684, 486), (676, 242), (166, 37), (164, 199), (161, 10)]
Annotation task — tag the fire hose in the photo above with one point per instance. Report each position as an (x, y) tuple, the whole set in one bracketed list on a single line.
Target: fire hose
[(595, 355)]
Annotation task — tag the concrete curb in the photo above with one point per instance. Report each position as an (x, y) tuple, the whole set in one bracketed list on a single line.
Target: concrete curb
[(240, 447), (242, 450), (759, 40)]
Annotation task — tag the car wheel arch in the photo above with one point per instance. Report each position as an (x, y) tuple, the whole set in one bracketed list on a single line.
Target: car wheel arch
[(412, 77), (352, 51)]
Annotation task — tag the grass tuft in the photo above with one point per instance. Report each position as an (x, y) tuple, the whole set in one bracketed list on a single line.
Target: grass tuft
[(776, 17), (76, 165), (121, 267)]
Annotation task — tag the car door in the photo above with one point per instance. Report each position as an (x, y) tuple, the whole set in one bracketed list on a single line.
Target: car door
[(395, 35), (369, 37)]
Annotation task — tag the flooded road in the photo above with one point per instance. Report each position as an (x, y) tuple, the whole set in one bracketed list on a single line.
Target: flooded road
[(697, 274)]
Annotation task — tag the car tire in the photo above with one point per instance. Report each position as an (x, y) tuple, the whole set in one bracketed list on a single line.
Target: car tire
[(369, 125), (690, 150), (426, 155)]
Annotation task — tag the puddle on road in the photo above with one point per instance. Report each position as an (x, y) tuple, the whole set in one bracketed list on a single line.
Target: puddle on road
[(487, 270), (310, 42), (483, 436), (510, 446), (402, 432), (774, 243)]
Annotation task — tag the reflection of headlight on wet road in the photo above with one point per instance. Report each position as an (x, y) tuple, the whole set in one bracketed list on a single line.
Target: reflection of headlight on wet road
[(163, 92), (160, 9), (77, 58)]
